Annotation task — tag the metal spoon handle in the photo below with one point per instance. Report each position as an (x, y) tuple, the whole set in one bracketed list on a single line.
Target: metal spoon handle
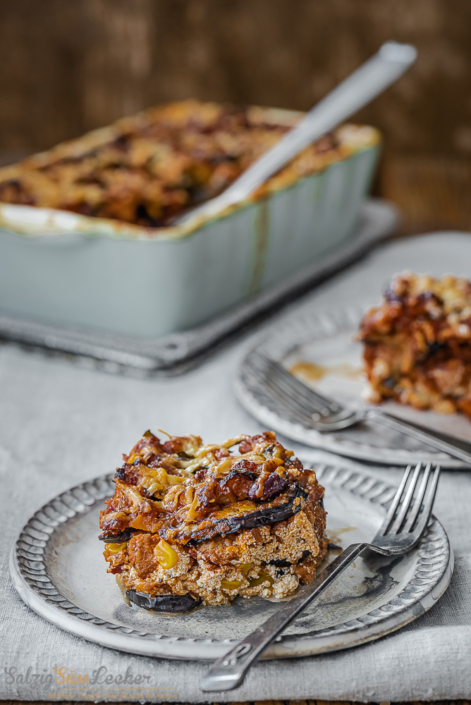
[(379, 72), (230, 670)]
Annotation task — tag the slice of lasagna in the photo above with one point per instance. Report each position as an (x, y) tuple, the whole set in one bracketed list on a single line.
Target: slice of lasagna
[(417, 344), (192, 523)]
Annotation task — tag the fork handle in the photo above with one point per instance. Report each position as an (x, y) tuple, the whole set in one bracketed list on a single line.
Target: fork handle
[(229, 671), (456, 448)]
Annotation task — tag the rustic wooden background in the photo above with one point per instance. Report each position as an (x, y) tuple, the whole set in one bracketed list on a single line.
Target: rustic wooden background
[(70, 66)]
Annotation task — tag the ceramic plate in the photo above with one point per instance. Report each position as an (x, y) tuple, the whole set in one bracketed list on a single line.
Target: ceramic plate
[(58, 569), (322, 352)]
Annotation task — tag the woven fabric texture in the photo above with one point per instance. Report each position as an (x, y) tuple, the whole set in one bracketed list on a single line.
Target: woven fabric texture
[(61, 424)]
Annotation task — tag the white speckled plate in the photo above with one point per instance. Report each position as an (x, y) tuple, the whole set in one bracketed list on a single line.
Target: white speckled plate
[(327, 340), (58, 569)]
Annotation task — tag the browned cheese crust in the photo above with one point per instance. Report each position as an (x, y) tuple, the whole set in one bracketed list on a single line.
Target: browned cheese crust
[(203, 520), (417, 344), (149, 168)]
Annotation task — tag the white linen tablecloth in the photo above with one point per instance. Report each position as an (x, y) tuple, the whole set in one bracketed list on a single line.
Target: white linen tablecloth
[(61, 424)]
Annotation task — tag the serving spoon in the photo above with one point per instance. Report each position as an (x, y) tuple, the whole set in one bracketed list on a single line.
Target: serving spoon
[(356, 91)]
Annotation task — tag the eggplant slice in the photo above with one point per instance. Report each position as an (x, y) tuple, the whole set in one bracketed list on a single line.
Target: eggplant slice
[(163, 603), (211, 527), (287, 564), (265, 515), (118, 538)]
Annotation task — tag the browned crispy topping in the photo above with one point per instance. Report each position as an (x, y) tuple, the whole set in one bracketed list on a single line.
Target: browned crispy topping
[(418, 343), (155, 165), (184, 490)]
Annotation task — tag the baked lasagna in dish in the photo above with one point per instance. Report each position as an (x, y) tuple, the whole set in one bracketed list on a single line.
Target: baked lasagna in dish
[(194, 524), (149, 168), (417, 344)]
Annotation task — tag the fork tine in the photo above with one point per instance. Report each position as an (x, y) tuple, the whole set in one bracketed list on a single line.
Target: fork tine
[(287, 394), (282, 398), (428, 506), (291, 402), (396, 499), (405, 505), (302, 388), (308, 406), (418, 501), (310, 394), (298, 407), (272, 371)]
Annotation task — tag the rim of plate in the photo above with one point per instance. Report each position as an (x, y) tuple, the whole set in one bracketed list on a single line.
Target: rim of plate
[(29, 572), (290, 335)]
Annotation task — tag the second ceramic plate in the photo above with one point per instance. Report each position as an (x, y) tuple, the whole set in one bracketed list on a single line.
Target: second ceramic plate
[(321, 350)]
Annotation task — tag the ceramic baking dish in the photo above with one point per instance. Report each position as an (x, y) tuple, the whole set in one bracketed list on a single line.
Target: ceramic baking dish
[(59, 267)]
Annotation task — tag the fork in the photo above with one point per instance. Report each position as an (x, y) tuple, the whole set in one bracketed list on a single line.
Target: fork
[(324, 414), (405, 523)]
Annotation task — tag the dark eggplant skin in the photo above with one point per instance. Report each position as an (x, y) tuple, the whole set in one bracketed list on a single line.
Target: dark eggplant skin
[(286, 564), (163, 603), (118, 538), (230, 525), (233, 473), (252, 520)]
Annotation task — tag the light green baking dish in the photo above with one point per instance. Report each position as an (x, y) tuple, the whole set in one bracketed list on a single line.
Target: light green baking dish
[(61, 268)]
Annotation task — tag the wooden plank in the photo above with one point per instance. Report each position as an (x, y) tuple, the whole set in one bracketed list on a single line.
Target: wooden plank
[(72, 66), (432, 192)]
